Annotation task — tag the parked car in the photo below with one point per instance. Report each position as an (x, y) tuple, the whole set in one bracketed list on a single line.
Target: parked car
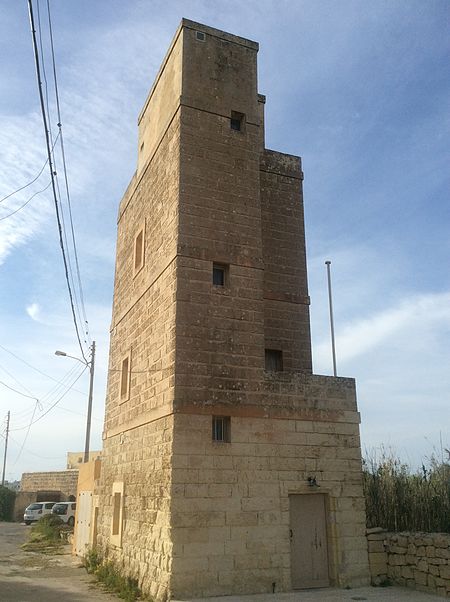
[(66, 511), (35, 511)]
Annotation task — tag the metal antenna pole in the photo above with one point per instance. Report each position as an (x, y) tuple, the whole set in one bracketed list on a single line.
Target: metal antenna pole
[(89, 412), (330, 300), (6, 448)]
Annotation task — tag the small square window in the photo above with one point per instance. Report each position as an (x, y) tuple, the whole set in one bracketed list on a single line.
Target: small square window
[(221, 429), (138, 261), (273, 360), (125, 379), (237, 121), (219, 274), (200, 36)]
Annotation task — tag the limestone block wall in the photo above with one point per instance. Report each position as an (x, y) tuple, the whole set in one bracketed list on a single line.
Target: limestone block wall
[(62, 480), (417, 560), (230, 502), (143, 324), (139, 460), (22, 500), (286, 300)]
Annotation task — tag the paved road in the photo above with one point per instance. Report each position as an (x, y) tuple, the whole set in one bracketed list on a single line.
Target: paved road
[(32, 577), (371, 594)]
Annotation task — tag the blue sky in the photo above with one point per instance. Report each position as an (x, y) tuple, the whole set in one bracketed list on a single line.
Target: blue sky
[(359, 89)]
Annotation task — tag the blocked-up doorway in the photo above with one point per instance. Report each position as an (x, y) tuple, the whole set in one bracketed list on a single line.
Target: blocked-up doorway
[(309, 546)]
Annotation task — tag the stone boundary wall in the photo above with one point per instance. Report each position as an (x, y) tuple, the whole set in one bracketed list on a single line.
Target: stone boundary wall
[(65, 481), (417, 560)]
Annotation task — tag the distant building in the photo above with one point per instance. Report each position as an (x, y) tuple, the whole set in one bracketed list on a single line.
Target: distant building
[(13, 485), (74, 459), (227, 466)]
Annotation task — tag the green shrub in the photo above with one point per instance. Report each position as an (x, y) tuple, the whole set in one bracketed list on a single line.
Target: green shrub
[(401, 500), (7, 499), (110, 575), (46, 534), (92, 560)]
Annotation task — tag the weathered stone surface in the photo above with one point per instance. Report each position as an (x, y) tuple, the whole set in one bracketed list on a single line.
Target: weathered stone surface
[(61, 480), (201, 516), (421, 564)]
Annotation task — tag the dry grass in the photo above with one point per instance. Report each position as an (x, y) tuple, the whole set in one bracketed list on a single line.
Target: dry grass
[(399, 499)]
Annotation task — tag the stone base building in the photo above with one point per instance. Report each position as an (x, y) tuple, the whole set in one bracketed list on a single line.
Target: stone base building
[(227, 466)]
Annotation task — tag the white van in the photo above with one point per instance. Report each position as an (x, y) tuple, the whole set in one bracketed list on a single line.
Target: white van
[(35, 511), (65, 511)]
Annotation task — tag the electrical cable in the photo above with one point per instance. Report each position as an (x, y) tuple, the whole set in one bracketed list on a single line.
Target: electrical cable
[(44, 119), (16, 391), (26, 185), (63, 155), (54, 404), (25, 204), (30, 452), (34, 368), (44, 74), (18, 382), (46, 399), (55, 170), (35, 194), (26, 434)]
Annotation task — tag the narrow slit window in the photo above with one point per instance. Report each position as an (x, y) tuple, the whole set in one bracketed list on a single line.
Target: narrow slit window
[(125, 379), (221, 428), (219, 275), (116, 513), (139, 251), (237, 121), (273, 360)]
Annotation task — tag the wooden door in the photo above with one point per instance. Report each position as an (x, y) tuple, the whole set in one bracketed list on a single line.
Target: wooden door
[(308, 533), (83, 524)]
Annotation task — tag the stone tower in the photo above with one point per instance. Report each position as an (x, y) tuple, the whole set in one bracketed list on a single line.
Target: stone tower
[(228, 467)]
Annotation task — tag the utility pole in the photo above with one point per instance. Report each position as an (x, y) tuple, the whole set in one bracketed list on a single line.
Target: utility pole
[(89, 365), (89, 412), (333, 346), (6, 448)]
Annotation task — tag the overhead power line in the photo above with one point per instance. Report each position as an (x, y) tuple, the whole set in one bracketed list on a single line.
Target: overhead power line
[(66, 179), (52, 175), (26, 434), (34, 368), (15, 380), (16, 391), (24, 204), (54, 404), (29, 451), (26, 185)]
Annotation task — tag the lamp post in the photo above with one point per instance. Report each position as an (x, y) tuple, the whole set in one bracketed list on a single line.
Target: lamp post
[(90, 364)]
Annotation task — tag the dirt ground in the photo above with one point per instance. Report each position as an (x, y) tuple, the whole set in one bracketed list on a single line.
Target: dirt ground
[(34, 577)]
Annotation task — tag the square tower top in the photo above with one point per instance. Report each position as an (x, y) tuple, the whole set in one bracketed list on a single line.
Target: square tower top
[(204, 68)]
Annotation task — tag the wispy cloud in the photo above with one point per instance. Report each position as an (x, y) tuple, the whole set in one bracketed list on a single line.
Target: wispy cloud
[(422, 317), (33, 311)]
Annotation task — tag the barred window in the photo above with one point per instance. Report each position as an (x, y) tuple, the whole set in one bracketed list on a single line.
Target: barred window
[(221, 428)]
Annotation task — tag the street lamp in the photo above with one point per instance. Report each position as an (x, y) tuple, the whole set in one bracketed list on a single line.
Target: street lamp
[(89, 364)]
